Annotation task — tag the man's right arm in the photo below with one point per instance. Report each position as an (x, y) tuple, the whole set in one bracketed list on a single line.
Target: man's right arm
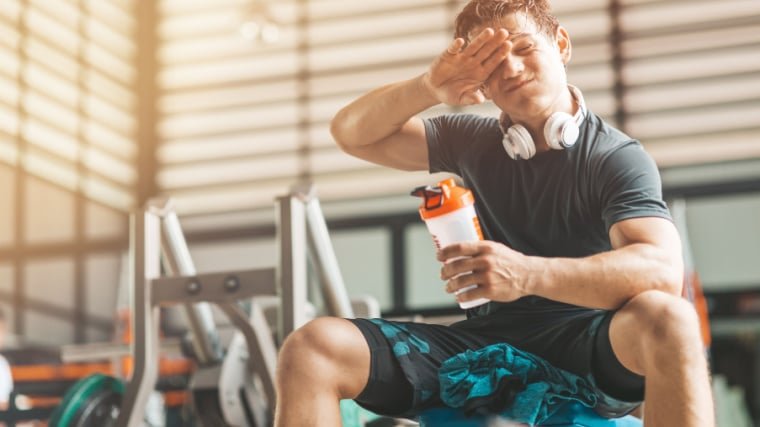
[(381, 126)]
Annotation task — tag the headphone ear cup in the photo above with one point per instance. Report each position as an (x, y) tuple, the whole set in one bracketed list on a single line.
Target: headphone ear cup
[(518, 143), (561, 131)]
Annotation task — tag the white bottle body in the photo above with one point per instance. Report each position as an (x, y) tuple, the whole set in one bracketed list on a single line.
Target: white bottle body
[(460, 225)]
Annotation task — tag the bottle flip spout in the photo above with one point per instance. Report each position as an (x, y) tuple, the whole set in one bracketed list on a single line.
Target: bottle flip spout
[(443, 198), (433, 196)]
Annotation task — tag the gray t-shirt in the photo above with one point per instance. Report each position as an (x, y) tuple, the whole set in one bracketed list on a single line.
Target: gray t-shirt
[(561, 203)]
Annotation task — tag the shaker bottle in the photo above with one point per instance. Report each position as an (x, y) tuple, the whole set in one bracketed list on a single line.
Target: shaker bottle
[(449, 214)]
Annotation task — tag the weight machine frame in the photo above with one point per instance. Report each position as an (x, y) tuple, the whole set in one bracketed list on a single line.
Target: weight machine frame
[(301, 231)]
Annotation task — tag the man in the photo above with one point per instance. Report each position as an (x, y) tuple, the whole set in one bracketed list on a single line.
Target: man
[(582, 262), (6, 379)]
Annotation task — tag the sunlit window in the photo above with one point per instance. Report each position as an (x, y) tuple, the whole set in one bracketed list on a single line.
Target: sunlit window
[(241, 118), (67, 97)]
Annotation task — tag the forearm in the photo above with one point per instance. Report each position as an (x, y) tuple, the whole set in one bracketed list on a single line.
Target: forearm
[(381, 112), (608, 280)]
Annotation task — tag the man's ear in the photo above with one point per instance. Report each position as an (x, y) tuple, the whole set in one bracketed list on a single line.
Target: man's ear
[(564, 45)]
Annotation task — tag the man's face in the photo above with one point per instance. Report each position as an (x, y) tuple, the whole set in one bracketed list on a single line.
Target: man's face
[(531, 77)]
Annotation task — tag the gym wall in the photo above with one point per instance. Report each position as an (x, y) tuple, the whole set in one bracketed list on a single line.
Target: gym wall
[(68, 171)]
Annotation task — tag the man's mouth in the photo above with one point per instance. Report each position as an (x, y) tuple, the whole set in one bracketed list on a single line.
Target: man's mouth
[(517, 85)]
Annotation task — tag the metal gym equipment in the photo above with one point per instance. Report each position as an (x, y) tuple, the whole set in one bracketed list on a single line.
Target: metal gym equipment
[(92, 402), (232, 386)]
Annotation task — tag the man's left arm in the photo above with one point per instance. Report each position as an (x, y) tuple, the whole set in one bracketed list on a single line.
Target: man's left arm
[(646, 255)]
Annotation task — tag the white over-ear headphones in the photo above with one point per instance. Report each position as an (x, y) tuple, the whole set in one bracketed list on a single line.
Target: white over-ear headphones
[(561, 130)]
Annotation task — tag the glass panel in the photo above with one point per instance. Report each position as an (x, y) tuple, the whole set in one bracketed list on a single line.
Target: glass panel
[(424, 288), (365, 262), (725, 239), (43, 329), (231, 255), (51, 281), (102, 273)]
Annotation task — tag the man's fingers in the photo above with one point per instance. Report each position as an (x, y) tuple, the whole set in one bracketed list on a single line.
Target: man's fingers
[(493, 43), (463, 265), (478, 42), (497, 56), (455, 46), (460, 249), (472, 294), (465, 281)]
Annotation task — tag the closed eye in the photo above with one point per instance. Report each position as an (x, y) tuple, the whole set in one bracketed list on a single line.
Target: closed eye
[(524, 48)]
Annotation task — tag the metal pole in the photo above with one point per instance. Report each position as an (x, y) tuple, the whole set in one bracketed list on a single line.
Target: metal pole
[(291, 272), (200, 318), (262, 352), (145, 243), (78, 353), (320, 246)]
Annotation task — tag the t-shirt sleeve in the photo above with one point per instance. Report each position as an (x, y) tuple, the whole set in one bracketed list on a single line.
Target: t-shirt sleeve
[(448, 138), (630, 186)]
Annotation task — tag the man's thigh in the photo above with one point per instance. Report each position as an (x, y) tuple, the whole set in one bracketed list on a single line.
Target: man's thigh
[(405, 357), (576, 340), (404, 362), (564, 338)]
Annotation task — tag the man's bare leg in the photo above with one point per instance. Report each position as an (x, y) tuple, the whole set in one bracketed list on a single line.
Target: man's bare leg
[(657, 335), (326, 360)]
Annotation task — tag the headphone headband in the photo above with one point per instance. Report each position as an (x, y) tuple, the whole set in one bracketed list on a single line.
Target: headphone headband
[(560, 130)]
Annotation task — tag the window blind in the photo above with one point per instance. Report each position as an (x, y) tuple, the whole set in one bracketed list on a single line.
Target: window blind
[(67, 95), (691, 73), (240, 122)]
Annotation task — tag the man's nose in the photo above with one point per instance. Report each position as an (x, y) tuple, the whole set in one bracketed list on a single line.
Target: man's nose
[(511, 67)]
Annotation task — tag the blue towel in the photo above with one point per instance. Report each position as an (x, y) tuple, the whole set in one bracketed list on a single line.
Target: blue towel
[(514, 384)]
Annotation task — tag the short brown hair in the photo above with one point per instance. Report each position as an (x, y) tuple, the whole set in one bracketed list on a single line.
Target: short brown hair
[(479, 12)]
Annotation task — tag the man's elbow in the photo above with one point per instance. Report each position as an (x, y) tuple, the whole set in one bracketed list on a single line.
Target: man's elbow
[(671, 278), (666, 269)]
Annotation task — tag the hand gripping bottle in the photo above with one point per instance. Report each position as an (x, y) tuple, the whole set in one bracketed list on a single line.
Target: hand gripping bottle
[(449, 214)]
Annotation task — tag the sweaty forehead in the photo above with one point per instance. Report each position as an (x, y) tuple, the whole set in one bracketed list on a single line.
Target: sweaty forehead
[(516, 23)]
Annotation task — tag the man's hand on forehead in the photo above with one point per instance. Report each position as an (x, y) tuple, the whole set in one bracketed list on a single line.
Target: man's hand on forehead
[(489, 32), (487, 38), (457, 75), (487, 49)]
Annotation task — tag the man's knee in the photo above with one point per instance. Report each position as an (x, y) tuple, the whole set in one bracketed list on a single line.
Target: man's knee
[(323, 337), (663, 320), (326, 349)]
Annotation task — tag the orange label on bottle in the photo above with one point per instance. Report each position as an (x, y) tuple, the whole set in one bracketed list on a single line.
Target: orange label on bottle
[(476, 223)]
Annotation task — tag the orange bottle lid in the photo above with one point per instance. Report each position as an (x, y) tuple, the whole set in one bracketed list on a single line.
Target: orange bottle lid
[(444, 198)]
